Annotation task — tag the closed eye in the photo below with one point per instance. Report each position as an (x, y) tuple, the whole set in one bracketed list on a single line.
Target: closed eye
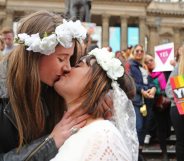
[(79, 64), (60, 60)]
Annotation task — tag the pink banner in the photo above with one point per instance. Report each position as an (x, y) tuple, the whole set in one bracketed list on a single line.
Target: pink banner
[(164, 54)]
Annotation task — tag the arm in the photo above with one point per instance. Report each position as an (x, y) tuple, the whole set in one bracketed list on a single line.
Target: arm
[(168, 89), (46, 148), (41, 149), (137, 76), (151, 88)]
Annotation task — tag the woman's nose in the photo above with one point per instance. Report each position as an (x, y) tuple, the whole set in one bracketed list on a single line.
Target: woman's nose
[(67, 68)]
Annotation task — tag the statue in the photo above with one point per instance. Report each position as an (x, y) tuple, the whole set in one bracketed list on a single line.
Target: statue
[(79, 9)]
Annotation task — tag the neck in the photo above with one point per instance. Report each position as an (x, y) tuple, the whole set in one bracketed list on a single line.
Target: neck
[(90, 120), (73, 105), (138, 60), (76, 105)]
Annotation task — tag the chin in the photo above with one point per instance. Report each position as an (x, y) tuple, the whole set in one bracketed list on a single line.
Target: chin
[(56, 86)]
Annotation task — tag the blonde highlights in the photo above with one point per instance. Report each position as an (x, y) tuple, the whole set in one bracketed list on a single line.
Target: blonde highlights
[(181, 62)]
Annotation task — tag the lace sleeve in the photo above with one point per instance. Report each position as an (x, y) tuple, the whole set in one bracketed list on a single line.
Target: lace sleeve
[(106, 145)]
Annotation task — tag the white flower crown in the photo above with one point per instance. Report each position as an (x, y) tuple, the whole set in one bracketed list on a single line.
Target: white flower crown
[(108, 62), (64, 34)]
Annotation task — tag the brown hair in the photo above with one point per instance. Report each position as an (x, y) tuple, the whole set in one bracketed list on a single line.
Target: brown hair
[(7, 30), (1, 43), (181, 62), (27, 95), (99, 84)]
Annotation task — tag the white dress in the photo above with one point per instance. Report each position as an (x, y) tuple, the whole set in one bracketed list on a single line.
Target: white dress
[(98, 141)]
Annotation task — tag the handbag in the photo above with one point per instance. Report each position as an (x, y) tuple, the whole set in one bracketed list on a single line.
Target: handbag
[(162, 102)]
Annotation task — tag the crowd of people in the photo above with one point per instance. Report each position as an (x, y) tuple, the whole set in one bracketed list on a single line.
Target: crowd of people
[(63, 98), (156, 111)]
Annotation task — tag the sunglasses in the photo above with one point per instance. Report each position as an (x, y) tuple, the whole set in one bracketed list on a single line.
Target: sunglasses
[(149, 61), (139, 51)]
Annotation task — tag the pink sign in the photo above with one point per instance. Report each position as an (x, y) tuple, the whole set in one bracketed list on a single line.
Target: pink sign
[(164, 54)]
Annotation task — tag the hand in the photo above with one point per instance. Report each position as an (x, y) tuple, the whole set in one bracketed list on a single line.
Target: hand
[(151, 92), (173, 63), (106, 103), (74, 118), (145, 93)]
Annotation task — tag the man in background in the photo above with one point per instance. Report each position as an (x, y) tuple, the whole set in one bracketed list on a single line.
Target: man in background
[(8, 38)]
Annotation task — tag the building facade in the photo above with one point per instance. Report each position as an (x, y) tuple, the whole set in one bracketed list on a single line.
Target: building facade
[(158, 21)]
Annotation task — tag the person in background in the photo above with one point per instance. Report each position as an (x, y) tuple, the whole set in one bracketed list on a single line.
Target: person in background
[(128, 52), (177, 56), (8, 38), (177, 119), (161, 105), (109, 48), (120, 56), (144, 90)]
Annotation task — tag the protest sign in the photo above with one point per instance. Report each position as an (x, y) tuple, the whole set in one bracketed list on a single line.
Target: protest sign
[(163, 55), (177, 84)]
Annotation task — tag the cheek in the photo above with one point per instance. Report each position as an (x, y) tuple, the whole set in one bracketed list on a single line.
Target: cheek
[(48, 70), (153, 65)]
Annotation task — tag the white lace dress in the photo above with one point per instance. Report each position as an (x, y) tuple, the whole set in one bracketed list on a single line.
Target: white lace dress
[(98, 141)]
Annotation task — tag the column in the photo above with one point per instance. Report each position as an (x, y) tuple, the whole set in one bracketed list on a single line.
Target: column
[(2, 17), (124, 28), (8, 21), (153, 39), (177, 38), (142, 31), (105, 30)]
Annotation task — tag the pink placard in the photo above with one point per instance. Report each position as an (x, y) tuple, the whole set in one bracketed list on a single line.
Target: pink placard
[(164, 54)]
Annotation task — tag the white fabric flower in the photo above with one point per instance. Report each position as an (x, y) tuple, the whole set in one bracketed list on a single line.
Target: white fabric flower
[(108, 62), (64, 36), (68, 31), (79, 31), (33, 42), (48, 44), (22, 37)]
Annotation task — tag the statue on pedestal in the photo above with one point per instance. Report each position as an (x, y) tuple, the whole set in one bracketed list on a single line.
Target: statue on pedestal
[(78, 9)]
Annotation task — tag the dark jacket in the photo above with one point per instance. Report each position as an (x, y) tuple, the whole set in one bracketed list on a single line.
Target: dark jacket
[(42, 149), (137, 76)]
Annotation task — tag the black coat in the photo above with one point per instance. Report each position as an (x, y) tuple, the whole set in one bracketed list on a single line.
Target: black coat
[(42, 149)]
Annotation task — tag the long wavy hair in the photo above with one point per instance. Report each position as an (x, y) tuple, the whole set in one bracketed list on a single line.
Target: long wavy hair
[(30, 99), (99, 84), (181, 62)]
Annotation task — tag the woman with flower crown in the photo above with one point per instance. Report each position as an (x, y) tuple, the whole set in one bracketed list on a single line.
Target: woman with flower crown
[(99, 140), (30, 110)]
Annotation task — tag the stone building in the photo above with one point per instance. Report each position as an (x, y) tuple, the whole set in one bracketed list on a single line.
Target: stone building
[(158, 21)]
